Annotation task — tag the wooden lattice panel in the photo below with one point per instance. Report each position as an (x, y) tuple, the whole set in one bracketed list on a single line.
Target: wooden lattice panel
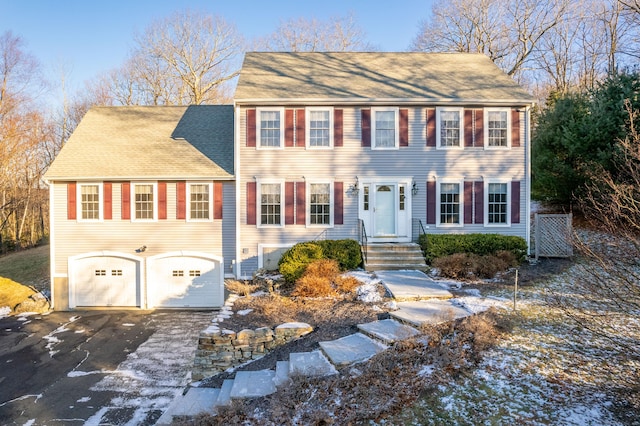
[(553, 235)]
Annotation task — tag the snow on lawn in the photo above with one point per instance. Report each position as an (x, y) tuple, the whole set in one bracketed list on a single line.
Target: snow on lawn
[(368, 292), (545, 371)]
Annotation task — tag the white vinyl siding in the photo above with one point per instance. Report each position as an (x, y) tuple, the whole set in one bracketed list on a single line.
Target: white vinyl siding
[(450, 127), (319, 128), (497, 128)]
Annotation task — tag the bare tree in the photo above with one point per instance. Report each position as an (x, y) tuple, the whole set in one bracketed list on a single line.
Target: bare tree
[(337, 34)]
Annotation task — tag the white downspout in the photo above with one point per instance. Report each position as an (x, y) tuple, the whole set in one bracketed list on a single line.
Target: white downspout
[(527, 118), (236, 172)]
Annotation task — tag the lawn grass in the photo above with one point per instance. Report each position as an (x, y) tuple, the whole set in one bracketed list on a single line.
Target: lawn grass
[(29, 267)]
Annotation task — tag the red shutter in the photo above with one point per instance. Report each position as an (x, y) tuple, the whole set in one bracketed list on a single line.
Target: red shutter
[(107, 188), (288, 127), (301, 203), (479, 139), (337, 127), (468, 128), (300, 131), (468, 202), (479, 194), (289, 203), (162, 200), (251, 127), (366, 127), (251, 203), (515, 201), (515, 128), (181, 198), (431, 202), (217, 200), (338, 203), (404, 127), (431, 127), (126, 200), (71, 201)]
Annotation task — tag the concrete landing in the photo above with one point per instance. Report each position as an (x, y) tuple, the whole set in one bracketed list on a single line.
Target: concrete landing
[(310, 364), (388, 331), (422, 312), (412, 285), (354, 348), (195, 401), (253, 384)]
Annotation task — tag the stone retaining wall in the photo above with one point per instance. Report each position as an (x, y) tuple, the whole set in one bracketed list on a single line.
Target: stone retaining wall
[(219, 350)]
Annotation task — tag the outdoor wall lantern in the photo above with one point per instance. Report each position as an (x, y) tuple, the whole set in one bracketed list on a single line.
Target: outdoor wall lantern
[(414, 189), (354, 188)]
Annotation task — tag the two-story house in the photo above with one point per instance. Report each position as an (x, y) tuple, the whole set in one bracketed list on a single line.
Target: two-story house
[(153, 206)]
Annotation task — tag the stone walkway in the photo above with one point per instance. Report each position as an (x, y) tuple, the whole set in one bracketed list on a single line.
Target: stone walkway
[(423, 301)]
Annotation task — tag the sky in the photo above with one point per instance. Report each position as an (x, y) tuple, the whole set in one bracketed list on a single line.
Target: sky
[(86, 38)]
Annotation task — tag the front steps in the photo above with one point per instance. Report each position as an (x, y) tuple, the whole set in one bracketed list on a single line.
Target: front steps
[(394, 256), (374, 337)]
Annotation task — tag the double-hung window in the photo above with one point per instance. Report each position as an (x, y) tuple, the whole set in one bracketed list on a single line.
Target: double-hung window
[(496, 128), (497, 206), (384, 128), (449, 130), (319, 127), (90, 201), (144, 199), (320, 204), (270, 127), (271, 197), (200, 201), (450, 204)]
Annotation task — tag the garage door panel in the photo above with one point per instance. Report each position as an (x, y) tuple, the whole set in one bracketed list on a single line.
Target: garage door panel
[(106, 281), (185, 281)]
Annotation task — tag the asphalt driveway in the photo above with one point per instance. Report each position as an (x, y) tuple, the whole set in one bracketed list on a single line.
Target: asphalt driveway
[(95, 367)]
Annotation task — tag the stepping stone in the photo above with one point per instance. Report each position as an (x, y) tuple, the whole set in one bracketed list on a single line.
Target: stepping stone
[(388, 331), (412, 285), (354, 348), (428, 312), (282, 372), (224, 398), (253, 384), (310, 364), (195, 401)]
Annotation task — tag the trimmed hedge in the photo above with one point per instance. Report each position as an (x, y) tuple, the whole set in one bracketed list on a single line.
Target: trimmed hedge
[(294, 261), (440, 245)]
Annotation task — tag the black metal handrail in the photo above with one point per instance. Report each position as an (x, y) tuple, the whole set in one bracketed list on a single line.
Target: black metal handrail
[(363, 239)]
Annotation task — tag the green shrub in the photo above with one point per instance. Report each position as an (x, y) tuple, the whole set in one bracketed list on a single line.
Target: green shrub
[(294, 261), (346, 252), (440, 245)]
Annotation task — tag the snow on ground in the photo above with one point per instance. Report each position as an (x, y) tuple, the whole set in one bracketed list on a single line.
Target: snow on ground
[(368, 292), (4, 311)]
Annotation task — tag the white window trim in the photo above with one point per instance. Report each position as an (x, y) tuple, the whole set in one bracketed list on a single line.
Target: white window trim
[(486, 128), (396, 137), (100, 201), (133, 201), (308, 204), (439, 111), (486, 204), (188, 207), (259, 128), (460, 183), (307, 128), (259, 183)]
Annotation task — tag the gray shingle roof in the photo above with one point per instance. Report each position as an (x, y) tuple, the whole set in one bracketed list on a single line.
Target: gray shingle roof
[(157, 142), (360, 77)]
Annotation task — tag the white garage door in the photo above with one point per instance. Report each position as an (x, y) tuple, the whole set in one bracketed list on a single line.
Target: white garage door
[(177, 280), (105, 281)]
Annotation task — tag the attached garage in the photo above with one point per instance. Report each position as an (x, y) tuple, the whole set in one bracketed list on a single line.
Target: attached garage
[(105, 279), (185, 280)]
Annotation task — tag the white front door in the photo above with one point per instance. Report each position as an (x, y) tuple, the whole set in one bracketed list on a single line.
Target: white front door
[(385, 210)]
